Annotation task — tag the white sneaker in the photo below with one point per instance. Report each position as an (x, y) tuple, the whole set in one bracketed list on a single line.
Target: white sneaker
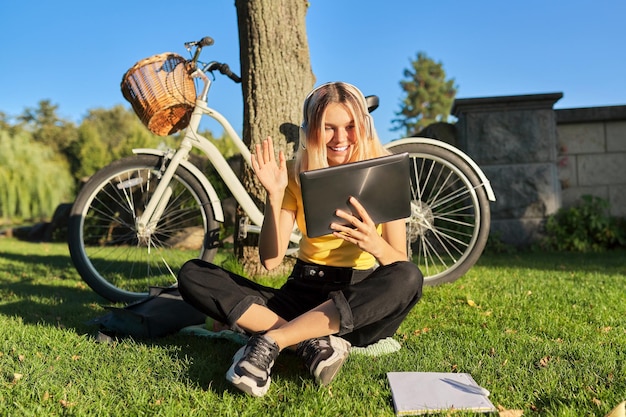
[(250, 371), (324, 356)]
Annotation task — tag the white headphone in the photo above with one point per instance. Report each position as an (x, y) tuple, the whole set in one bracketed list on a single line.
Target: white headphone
[(305, 108)]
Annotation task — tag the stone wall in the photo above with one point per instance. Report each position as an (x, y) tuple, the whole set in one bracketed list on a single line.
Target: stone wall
[(592, 155), (514, 140), (539, 159)]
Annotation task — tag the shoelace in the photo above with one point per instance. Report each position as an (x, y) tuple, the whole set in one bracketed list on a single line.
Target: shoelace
[(260, 353), (310, 348)]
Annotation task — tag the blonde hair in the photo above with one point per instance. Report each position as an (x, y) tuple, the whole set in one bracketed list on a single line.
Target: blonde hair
[(312, 150)]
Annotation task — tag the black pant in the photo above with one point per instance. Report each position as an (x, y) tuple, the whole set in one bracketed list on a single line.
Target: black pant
[(371, 304)]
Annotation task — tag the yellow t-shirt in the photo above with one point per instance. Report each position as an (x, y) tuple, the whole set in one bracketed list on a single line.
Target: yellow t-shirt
[(323, 250)]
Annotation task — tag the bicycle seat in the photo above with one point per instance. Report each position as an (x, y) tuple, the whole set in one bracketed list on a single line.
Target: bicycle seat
[(372, 103)]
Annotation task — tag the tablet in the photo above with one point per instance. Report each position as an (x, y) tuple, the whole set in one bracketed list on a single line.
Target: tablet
[(381, 185)]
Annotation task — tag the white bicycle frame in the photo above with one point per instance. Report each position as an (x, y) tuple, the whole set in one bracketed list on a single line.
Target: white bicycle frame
[(148, 220), (156, 205)]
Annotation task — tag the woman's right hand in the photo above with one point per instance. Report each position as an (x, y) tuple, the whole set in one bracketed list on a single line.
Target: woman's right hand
[(277, 222), (272, 174)]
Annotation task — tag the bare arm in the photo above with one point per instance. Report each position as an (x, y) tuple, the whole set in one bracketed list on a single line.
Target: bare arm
[(275, 233), (277, 223)]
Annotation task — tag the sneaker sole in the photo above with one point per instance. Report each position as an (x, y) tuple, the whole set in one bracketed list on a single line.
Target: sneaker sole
[(329, 368), (245, 383)]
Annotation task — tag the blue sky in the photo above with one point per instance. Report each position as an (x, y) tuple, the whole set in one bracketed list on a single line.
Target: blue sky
[(74, 53)]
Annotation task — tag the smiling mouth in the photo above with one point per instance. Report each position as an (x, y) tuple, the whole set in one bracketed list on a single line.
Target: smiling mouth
[(338, 148)]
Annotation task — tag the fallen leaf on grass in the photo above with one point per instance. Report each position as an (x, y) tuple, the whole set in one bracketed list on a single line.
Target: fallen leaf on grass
[(17, 377), (543, 362), (417, 332), (66, 404)]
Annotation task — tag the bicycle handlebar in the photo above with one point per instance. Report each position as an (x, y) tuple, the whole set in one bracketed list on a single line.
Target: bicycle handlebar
[(206, 41), (212, 66), (224, 69)]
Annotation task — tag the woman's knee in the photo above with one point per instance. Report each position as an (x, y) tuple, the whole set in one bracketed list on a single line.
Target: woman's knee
[(189, 271), (407, 278), (197, 273), (414, 274)]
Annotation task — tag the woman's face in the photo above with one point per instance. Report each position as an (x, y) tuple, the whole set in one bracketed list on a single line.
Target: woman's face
[(339, 134)]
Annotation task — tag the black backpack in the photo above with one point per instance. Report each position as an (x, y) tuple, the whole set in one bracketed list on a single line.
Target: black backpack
[(162, 313)]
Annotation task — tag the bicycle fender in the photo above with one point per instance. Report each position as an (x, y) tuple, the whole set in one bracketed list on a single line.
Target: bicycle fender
[(216, 204), (483, 178)]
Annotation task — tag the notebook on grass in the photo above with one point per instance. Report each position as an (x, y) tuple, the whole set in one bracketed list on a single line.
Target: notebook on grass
[(416, 393), (381, 185)]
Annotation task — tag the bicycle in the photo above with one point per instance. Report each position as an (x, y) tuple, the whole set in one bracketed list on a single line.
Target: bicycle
[(137, 220)]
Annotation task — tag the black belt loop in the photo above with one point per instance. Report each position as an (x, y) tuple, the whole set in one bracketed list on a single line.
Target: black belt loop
[(309, 271)]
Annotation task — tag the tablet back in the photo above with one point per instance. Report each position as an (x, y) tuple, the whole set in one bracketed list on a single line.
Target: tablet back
[(381, 185)]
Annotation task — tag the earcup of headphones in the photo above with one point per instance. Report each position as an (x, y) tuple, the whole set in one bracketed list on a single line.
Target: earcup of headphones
[(302, 137)]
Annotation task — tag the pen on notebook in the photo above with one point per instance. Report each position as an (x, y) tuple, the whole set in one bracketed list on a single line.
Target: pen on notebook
[(474, 389)]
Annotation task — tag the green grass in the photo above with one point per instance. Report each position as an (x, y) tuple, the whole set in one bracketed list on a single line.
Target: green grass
[(545, 333)]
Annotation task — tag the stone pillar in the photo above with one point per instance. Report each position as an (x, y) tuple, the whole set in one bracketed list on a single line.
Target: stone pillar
[(514, 140)]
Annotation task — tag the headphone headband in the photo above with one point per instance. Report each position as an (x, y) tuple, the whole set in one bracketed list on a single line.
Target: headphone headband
[(358, 92), (351, 88)]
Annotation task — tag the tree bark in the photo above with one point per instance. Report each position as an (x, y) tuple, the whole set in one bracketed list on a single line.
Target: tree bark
[(276, 76)]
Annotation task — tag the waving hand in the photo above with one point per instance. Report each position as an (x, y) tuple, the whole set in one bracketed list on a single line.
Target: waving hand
[(271, 173)]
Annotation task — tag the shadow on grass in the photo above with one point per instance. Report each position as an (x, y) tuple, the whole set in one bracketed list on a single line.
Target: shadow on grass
[(212, 358), (67, 302), (64, 302)]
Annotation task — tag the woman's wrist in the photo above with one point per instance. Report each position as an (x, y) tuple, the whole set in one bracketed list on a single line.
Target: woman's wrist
[(275, 198)]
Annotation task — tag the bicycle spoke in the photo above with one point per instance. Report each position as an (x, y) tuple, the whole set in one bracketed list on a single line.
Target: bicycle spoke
[(111, 256)]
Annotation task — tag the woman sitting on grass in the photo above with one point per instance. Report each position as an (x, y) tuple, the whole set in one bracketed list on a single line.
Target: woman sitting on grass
[(352, 287)]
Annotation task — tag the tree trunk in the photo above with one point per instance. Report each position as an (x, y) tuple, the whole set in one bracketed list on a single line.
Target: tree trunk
[(276, 76)]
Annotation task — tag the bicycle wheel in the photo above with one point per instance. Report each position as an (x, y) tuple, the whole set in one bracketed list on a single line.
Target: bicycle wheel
[(116, 259), (450, 216)]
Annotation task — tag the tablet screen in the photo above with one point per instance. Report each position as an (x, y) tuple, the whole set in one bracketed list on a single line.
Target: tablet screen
[(381, 185)]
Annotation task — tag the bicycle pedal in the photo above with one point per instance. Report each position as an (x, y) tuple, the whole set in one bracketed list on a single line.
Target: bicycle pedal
[(242, 231)]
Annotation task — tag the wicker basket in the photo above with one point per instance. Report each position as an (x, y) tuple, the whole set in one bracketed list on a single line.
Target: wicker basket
[(161, 92)]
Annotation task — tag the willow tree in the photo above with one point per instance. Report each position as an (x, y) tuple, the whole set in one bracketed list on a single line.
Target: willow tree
[(276, 75), (34, 178)]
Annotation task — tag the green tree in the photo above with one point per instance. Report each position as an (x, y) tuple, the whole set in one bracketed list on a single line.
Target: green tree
[(34, 179), (4, 121), (429, 96), (47, 127), (105, 135), (89, 153)]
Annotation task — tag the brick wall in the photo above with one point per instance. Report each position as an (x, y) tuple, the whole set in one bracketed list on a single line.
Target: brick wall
[(592, 155)]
